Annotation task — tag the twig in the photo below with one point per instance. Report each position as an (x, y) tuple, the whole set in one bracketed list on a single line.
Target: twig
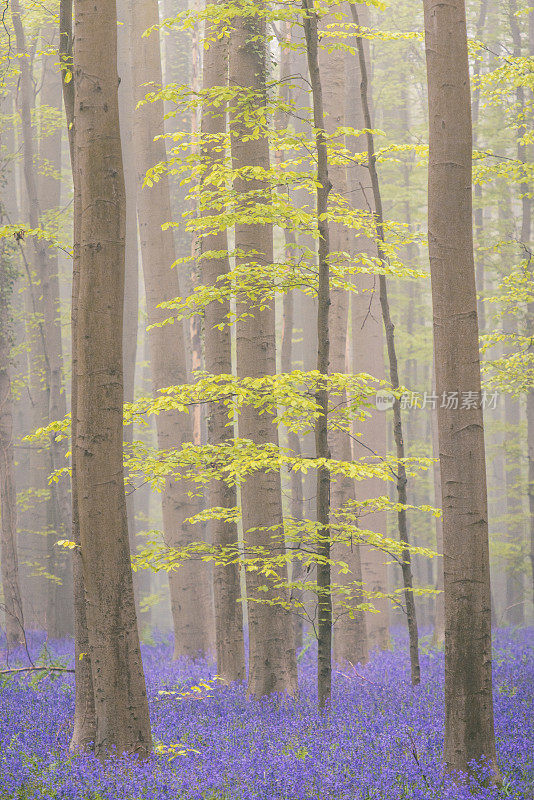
[(35, 669)]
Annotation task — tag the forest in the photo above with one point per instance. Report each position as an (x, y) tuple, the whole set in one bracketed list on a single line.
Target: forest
[(266, 400)]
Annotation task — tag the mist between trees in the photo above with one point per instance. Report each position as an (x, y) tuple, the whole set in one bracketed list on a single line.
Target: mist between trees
[(240, 245)]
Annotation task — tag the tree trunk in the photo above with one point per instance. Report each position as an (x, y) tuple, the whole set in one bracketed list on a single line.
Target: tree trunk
[(367, 357), (438, 636), (406, 565), (350, 640), (322, 449), (478, 207), (122, 720), (84, 727), (469, 732), (229, 639), (12, 600), (131, 278), (272, 662), (59, 613), (515, 601), (296, 324), (526, 225), (37, 269), (191, 601), (526, 233)]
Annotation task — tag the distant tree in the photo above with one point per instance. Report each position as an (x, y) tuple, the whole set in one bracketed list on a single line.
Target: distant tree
[(46, 362), (191, 602), (229, 640), (12, 597), (272, 661)]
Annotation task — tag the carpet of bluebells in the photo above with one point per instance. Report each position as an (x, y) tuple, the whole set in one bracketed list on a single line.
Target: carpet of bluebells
[(381, 739)]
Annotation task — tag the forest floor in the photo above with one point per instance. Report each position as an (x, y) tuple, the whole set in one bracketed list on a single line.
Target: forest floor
[(381, 740)]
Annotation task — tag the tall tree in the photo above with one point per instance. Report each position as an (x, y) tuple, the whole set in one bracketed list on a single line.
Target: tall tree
[(131, 278), (530, 395), (322, 448), (59, 611), (272, 662), (514, 582), (191, 601), (121, 706), (38, 270), (84, 725), (229, 639), (350, 639), (389, 328), (12, 605), (367, 357), (469, 730)]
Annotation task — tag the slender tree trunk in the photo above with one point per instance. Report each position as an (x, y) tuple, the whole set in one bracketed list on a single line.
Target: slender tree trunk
[(84, 728), (59, 613), (406, 565), (22, 409), (191, 601), (122, 720), (194, 334), (530, 396), (12, 605), (287, 67), (293, 441), (229, 639), (478, 209), (530, 453), (131, 282), (367, 357), (58, 616), (515, 601), (37, 269), (350, 640), (526, 224), (469, 732), (322, 448), (272, 661)]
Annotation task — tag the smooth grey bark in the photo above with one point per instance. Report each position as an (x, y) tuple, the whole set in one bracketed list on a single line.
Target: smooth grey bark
[(12, 597), (322, 448), (41, 461), (84, 726), (272, 661), (131, 277), (515, 583), (469, 729), (190, 589), (530, 395), (367, 357), (406, 566), (59, 601), (229, 639), (121, 706)]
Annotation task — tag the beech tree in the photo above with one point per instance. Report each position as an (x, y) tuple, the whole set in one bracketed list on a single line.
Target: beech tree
[(350, 639), (229, 639), (272, 661), (469, 732), (121, 707), (265, 161), (367, 355), (12, 604), (191, 601), (49, 396)]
